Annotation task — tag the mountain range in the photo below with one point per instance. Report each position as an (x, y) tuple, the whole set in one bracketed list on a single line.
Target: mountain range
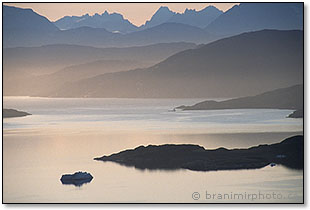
[(171, 56), (112, 22), (190, 17), (115, 22), (51, 58), (89, 36), (37, 68), (24, 27), (266, 60), (258, 16)]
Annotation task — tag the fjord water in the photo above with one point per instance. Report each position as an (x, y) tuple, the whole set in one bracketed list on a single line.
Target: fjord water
[(64, 135)]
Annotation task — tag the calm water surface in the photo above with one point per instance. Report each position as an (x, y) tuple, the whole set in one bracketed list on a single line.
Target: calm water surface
[(64, 135)]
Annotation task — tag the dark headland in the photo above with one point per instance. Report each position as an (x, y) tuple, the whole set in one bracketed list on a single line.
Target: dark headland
[(9, 113), (284, 98), (289, 153), (297, 114)]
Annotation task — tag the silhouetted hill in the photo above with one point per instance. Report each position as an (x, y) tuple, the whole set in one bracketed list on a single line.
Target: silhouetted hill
[(51, 58), (246, 64), (99, 37), (257, 16), (167, 32), (289, 153), (112, 22), (91, 69), (25, 27), (284, 98), (22, 67), (87, 36), (77, 72)]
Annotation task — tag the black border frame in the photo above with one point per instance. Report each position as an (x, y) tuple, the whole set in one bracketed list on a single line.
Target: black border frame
[(163, 2)]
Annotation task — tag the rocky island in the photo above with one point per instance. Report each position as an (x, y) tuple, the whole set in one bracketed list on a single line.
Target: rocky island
[(284, 98), (289, 152), (9, 113), (76, 179)]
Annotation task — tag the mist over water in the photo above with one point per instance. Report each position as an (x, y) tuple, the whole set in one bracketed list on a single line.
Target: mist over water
[(64, 135)]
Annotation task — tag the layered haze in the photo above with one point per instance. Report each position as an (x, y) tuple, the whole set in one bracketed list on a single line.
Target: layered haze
[(47, 67), (266, 60), (172, 55)]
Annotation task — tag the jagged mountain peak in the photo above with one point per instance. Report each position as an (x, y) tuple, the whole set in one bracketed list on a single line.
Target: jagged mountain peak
[(110, 21), (190, 17)]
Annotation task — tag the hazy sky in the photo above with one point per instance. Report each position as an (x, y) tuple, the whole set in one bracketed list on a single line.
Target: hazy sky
[(137, 13)]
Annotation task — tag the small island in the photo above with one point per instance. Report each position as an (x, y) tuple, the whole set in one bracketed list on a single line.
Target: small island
[(284, 98), (9, 113), (289, 153), (76, 179)]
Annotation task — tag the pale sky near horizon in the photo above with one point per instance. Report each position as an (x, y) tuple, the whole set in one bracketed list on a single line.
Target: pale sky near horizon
[(136, 13)]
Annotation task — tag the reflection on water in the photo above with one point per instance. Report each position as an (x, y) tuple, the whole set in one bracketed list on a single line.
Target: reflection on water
[(64, 135)]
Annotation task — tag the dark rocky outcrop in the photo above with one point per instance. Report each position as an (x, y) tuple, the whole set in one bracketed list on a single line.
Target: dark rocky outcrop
[(289, 153), (9, 113)]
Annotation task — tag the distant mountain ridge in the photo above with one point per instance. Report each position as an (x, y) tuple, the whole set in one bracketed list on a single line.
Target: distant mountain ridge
[(167, 32), (113, 22), (96, 37), (190, 17), (248, 17), (164, 26), (199, 19), (266, 60), (240, 18), (58, 56), (40, 68)]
